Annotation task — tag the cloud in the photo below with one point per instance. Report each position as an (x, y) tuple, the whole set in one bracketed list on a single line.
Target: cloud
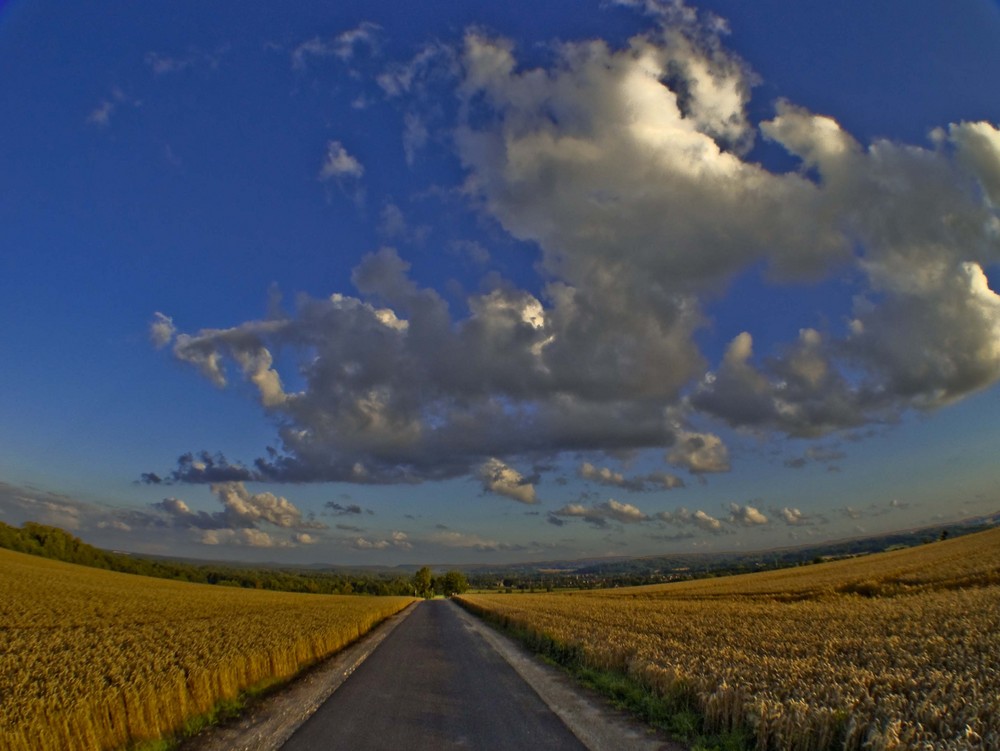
[(398, 540), (247, 536), (639, 484), (101, 115), (498, 478), (682, 517), (626, 168), (162, 64), (746, 516), (202, 467), (239, 523), (793, 517), (599, 515), (343, 47), (453, 539), (433, 62), (339, 164), (161, 330), (20, 504), (351, 508), (815, 454), (700, 453)]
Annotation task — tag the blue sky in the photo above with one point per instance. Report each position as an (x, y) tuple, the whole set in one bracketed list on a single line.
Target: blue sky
[(358, 283)]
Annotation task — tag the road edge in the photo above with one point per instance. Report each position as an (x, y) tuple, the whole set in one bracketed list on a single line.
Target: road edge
[(588, 717), (271, 722)]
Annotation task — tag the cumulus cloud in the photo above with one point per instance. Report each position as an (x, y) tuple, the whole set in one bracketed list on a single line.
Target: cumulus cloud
[(700, 453), (338, 163), (239, 523), (793, 517), (247, 536), (20, 504), (501, 479), (600, 514), (682, 517), (398, 540), (746, 515), (626, 169), (639, 484)]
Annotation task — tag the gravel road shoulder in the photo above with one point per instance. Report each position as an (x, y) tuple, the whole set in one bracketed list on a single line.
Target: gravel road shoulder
[(272, 721)]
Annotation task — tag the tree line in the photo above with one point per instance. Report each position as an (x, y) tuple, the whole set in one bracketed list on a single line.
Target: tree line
[(60, 545)]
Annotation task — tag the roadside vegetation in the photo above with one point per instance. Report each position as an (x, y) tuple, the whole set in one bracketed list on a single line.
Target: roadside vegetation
[(103, 660), (897, 650)]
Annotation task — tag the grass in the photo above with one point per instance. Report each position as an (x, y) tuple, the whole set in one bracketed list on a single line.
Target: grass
[(676, 713), (897, 650)]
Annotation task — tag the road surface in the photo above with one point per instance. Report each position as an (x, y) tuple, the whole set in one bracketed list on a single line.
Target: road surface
[(434, 684)]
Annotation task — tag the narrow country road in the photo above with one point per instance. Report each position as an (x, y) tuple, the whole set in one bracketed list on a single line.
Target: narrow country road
[(434, 684)]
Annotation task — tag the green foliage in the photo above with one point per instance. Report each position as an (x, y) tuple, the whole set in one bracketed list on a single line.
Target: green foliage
[(452, 583), (423, 582), (55, 543), (674, 713)]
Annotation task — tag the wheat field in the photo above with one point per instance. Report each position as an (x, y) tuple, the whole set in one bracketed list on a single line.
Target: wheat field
[(92, 659), (897, 650)]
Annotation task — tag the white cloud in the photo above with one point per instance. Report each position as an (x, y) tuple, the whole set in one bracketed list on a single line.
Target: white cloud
[(343, 47), (746, 515), (793, 517), (638, 484), (241, 518), (452, 539), (501, 479), (682, 517), (338, 163), (398, 540), (700, 453), (101, 115), (161, 330), (626, 168), (600, 514), (248, 537)]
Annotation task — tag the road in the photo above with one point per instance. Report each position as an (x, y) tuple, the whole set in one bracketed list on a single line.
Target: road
[(434, 684)]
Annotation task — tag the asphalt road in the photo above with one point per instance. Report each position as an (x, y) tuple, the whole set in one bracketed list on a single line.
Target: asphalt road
[(434, 684)]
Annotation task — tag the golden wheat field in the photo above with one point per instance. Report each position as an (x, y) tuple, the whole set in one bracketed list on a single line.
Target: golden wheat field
[(896, 650), (92, 659)]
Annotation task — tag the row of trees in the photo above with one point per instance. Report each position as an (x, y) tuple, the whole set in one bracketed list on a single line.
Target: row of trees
[(425, 584), (52, 542)]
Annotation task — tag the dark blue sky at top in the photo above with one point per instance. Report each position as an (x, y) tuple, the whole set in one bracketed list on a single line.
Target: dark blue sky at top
[(201, 197)]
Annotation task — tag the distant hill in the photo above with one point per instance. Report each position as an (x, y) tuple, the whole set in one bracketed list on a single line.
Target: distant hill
[(623, 571), (55, 543), (52, 542)]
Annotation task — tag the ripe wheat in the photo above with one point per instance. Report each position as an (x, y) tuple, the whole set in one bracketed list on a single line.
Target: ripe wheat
[(893, 651), (92, 659)]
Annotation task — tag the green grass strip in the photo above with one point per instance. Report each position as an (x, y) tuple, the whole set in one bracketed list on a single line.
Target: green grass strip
[(676, 714)]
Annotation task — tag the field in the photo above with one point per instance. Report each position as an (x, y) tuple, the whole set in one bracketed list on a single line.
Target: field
[(92, 659), (896, 650)]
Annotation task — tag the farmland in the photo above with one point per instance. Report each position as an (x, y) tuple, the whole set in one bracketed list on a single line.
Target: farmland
[(897, 650), (97, 659)]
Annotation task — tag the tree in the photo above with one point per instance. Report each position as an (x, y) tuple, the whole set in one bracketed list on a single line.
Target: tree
[(423, 582), (454, 583)]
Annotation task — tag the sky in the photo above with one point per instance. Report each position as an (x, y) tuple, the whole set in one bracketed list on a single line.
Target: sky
[(452, 282)]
